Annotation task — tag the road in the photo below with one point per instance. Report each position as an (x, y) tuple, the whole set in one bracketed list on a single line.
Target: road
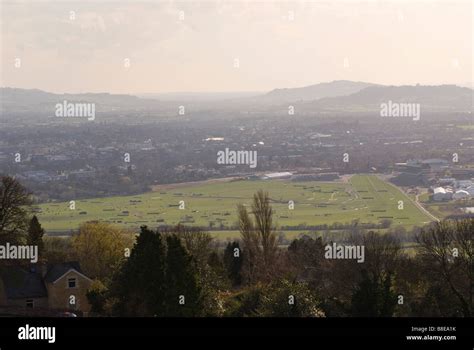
[(422, 208)]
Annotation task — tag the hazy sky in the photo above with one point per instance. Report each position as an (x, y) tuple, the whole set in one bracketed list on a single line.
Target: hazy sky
[(232, 45)]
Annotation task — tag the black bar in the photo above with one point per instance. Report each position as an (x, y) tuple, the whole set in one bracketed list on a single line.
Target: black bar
[(388, 331)]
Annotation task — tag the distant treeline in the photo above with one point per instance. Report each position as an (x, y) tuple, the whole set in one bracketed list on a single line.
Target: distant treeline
[(337, 226)]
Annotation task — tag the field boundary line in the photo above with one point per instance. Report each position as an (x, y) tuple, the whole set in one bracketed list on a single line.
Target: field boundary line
[(415, 203)]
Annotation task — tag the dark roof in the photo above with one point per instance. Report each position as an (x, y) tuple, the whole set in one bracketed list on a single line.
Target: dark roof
[(22, 283), (57, 271)]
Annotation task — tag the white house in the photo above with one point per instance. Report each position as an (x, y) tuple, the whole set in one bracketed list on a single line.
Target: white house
[(441, 194), (470, 189), (461, 194)]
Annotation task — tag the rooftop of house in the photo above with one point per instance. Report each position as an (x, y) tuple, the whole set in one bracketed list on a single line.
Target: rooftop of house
[(20, 282), (58, 270)]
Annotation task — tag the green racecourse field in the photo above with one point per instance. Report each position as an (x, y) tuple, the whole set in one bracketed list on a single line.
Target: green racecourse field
[(366, 198)]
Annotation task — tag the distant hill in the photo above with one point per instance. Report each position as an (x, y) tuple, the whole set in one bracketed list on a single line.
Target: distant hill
[(12, 96), (317, 91), (337, 96), (433, 98), (32, 104)]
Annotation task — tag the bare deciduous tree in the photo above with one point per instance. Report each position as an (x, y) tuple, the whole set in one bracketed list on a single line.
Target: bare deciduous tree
[(447, 250), (259, 239)]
